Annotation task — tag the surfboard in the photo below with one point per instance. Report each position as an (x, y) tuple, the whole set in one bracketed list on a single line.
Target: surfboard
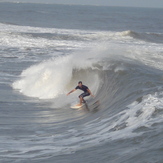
[(91, 106), (77, 106)]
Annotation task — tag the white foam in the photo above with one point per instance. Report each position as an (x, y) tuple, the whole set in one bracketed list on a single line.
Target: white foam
[(45, 80), (52, 78)]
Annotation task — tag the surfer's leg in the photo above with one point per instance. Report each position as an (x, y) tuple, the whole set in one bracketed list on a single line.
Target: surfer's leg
[(82, 97), (81, 100)]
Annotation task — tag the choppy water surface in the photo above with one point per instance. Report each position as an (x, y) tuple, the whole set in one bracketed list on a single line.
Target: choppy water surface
[(113, 51)]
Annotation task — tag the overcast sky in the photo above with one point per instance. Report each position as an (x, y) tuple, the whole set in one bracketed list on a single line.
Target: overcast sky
[(132, 3)]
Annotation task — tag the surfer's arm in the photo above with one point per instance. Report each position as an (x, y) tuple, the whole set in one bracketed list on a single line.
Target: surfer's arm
[(90, 92), (71, 91)]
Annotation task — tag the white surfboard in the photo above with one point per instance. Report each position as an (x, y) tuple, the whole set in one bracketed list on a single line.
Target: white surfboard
[(77, 106)]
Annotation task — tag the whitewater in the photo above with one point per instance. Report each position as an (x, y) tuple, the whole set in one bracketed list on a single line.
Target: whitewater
[(120, 62)]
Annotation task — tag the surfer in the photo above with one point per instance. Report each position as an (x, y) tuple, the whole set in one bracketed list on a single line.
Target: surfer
[(84, 88)]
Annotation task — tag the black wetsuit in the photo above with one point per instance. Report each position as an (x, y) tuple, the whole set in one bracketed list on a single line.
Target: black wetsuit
[(85, 89)]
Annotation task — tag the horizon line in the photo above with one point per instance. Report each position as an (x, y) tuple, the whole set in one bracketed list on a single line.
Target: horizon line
[(19, 2)]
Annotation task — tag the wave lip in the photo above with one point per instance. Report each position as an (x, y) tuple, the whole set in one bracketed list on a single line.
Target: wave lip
[(54, 77), (45, 80)]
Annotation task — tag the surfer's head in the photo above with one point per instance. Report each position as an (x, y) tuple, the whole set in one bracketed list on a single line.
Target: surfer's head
[(80, 83)]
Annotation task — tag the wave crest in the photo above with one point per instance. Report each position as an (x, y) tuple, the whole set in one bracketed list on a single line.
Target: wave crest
[(52, 78)]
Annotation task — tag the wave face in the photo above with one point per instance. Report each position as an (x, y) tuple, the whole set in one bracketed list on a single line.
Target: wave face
[(122, 68)]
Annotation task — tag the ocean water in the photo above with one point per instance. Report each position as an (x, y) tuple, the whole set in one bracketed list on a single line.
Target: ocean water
[(117, 52)]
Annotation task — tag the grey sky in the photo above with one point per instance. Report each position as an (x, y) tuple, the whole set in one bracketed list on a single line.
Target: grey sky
[(133, 3)]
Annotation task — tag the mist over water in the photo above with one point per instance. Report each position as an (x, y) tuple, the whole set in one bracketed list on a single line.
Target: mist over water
[(42, 61)]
